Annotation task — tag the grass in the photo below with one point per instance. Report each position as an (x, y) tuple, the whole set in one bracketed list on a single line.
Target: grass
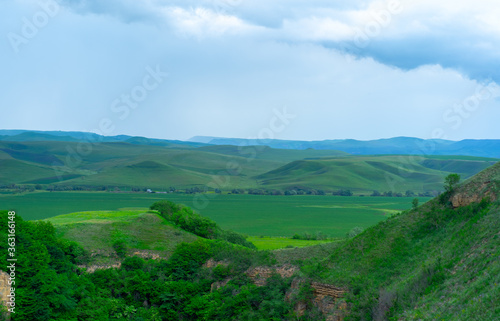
[(364, 174), (274, 243), (432, 263), (143, 232), (253, 215)]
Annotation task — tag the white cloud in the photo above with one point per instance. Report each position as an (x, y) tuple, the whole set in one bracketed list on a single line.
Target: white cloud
[(203, 22), (317, 29), (231, 65)]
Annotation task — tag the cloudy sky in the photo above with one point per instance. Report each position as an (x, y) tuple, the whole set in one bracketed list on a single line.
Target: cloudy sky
[(287, 69)]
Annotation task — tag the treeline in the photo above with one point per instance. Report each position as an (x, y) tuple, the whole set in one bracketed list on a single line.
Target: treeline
[(318, 236), (16, 188), (203, 189), (50, 285), (185, 218), (408, 193)]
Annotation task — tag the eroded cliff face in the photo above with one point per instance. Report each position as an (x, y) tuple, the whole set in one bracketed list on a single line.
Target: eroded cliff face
[(327, 298), (4, 291), (260, 274), (474, 194), (485, 184)]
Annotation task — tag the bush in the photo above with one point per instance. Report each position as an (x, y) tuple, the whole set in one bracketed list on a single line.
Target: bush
[(354, 232), (450, 182), (120, 248), (133, 263)]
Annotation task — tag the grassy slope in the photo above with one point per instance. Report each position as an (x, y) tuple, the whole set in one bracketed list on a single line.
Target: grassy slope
[(268, 153), (142, 231), (368, 173), (431, 263), (125, 164)]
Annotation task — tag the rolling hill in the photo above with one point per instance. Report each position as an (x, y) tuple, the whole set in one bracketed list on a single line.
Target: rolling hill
[(64, 159), (368, 173), (144, 233), (122, 164)]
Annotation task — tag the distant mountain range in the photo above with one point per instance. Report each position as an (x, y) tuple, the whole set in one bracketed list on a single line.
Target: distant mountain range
[(389, 146), (20, 135), (396, 145)]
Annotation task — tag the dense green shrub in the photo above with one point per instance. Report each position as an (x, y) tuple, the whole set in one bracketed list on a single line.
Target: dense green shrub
[(120, 248), (185, 218)]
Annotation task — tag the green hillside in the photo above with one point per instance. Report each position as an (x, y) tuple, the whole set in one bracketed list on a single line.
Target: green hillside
[(124, 164), (368, 173), (438, 262), (268, 153), (15, 171), (143, 233)]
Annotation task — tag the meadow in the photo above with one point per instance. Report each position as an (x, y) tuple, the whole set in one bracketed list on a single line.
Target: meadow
[(140, 230), (254, 215)]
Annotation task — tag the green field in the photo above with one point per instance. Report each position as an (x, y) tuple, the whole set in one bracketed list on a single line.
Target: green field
[(253, 215), (274, 243)]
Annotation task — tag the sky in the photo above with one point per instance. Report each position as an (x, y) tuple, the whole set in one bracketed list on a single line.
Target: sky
[(283, 69)]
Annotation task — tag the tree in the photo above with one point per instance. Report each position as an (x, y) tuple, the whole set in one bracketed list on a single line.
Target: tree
[(354, 232), (120, 248), (414, 203), (450, 182)]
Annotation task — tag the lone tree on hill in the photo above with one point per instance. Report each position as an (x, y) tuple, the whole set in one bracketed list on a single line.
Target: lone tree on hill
[(450, 182), (414, 203)]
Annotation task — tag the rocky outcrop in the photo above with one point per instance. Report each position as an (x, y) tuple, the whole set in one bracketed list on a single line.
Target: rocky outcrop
[(483, 185), (94, 267), (323, 289), (4, 291), (327, 297), (211, 263), (219, 284), (468, 195), (260, 274), (146, 254)]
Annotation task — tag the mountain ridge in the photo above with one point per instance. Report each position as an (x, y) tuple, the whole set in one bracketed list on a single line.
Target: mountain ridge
[(394, 145)]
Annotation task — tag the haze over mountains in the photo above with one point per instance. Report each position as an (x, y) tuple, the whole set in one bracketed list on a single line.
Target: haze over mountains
[(73, 159), (396, 145)]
